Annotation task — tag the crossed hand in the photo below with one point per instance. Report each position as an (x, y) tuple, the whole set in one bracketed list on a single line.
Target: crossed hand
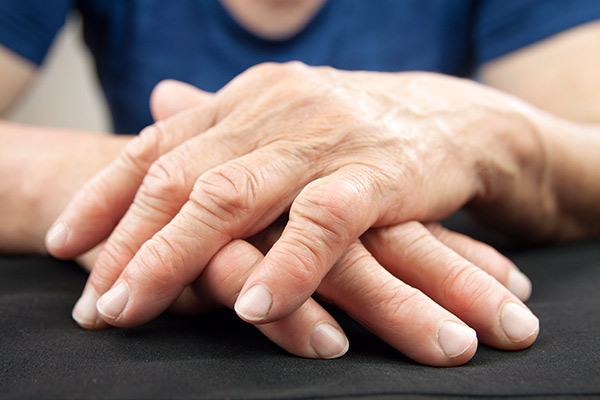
[(295, 182)]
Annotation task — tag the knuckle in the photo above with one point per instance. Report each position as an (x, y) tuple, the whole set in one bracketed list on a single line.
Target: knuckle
[(305, 264), (394, 303), (143, 149), (121, 246), (278, 69), (265, 68), (331, 210), (227, 192), (107, 268), (295, 64), (417, 242), (349, 272), (166, 181), (466, 287), (94, 198), (161, 261)]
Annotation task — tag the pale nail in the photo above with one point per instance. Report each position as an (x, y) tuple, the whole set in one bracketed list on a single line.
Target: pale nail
[(517, 322), (113, 302), (57, 235), (455, 338), (84, 312), (328, 342), (254, 305), (519, 284)]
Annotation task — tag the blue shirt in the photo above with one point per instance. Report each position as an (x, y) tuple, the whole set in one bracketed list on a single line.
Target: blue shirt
[(137, 43)]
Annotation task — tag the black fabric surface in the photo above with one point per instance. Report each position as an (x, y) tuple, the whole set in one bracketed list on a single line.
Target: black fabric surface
[(45, 355)]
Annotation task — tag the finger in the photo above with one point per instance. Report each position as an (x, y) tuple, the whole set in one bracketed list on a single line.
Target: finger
[(163, 192), (410, 252), (400, 315), (230, 201), (324, 219), (485, 257), (170, 97), (190, 302), (309, 332), (95, 210)]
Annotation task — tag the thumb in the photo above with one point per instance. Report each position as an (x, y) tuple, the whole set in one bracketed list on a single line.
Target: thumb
[(170, 97)]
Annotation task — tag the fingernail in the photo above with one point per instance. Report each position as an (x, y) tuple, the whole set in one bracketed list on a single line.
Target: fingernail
[(517, 322), (254, 305), (328, 342), (84, 312), (455, 338), (113, 302), (57, 235), (519, 284)]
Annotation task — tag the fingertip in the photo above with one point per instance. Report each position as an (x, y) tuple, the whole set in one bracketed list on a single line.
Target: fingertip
[(112, 303), (254, 305), (458, 341), (56, 238), (519, 325), (328, 342), (84, 312), (519, 284)]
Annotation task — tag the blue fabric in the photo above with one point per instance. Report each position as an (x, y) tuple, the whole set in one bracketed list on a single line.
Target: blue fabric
[(28, 26), (137, 43)]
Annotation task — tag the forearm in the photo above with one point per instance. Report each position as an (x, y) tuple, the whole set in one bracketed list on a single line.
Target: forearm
[(40, 169)]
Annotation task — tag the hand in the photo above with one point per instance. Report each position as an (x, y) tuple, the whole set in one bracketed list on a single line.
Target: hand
[(344, 151), (403, 316)]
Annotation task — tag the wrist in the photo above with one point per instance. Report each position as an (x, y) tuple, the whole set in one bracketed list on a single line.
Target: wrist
[(574, 176), (542, 181), (513, 147)]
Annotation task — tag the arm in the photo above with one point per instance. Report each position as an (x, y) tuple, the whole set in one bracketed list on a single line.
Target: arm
[(559, 75), (40, 168)]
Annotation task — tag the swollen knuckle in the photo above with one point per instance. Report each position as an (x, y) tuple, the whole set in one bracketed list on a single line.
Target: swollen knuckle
[(330, 211), (227, 191), (161, 260), (295, 65), (166, 179), (304, 264)]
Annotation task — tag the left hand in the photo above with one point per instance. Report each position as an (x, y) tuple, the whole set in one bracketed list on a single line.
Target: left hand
[(342, 151), (382, 301)]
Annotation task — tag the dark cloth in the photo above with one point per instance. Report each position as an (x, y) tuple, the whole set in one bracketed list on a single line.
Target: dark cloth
[(45, 355), (137, 43)]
